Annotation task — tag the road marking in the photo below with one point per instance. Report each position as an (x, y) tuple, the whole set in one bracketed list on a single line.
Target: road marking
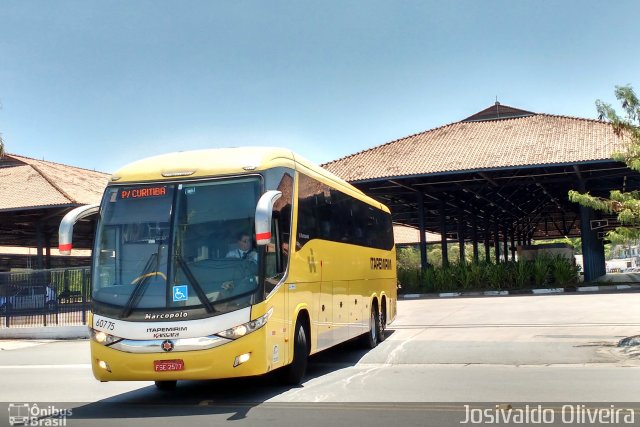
[(510, 325)]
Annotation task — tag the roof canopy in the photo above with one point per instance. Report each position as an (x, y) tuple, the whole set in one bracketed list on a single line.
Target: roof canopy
[(35, 194), (536, 139), (502, 169)]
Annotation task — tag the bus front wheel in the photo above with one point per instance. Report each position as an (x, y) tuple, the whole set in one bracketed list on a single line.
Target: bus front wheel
[(166, 385), (294, 373)]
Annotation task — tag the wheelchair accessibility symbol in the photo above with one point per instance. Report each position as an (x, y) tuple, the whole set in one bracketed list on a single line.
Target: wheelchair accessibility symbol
[(180, 293)]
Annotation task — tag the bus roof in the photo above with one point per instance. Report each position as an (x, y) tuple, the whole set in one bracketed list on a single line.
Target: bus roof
[(221, 162)]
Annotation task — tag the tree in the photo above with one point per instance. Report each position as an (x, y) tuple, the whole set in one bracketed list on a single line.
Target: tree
[(626, 205), (1, 147)]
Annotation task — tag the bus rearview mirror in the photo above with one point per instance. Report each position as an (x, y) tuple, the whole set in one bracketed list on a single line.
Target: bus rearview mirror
[(65, 232), (264, 210)]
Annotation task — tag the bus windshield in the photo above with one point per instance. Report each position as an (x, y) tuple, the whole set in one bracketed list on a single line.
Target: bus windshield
[(178, 246)]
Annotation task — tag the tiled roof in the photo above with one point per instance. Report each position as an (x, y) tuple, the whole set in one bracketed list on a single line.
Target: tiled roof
[(497, 112), (27, 183), (538, 139)]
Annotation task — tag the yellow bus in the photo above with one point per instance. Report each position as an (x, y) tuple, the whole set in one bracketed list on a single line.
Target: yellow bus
[(232, 262)]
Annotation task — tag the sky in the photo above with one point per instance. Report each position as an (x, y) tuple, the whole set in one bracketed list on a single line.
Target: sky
[(98, 84)]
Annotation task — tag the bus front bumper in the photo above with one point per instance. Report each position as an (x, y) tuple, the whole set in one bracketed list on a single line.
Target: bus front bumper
[(239, 358)]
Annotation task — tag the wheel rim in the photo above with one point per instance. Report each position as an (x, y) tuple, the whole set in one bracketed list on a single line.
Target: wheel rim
[(372, 326)]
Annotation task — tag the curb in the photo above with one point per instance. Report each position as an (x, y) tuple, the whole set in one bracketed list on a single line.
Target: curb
[(544, 291)]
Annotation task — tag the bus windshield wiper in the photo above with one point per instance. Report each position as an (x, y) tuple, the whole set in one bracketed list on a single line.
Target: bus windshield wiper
[(194, 283), (140, 287)]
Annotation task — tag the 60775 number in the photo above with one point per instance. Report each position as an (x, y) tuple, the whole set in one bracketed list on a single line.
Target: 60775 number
[(105, 324)]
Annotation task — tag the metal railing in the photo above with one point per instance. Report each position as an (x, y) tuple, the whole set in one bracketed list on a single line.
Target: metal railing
[(54, 297)]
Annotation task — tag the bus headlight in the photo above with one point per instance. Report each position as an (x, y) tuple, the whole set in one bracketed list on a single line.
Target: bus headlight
[(246, 328), (104, 338)]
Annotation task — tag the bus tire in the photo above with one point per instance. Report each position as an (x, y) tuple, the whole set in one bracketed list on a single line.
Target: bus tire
[(382, 324), (166, 385), (294, 373), (370, 339)]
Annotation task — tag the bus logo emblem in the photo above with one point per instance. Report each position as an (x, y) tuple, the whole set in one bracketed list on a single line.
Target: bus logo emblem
[(167, 345), (312, 263)]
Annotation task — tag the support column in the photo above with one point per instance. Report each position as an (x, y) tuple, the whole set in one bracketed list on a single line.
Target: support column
[(496, 241), (505, 243), (461, 236), (443, 236), (474, 237), (513, 244), (47, 244), (520, 234), (40, 247), (487, 245), (592, 247), (423, 239)]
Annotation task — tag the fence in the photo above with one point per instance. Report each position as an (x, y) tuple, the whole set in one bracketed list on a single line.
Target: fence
[(58, 297)]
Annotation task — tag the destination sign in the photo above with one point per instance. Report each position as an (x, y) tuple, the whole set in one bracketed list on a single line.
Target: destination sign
[(142, 193)]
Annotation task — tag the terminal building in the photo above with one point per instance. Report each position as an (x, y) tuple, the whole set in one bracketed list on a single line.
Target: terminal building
[(500, 179)]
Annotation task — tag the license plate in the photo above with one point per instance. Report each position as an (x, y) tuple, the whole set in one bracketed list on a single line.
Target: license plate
[(168, 365)]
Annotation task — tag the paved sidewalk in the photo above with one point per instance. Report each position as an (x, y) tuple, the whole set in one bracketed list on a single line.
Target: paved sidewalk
[(45, 333), (543, 291)]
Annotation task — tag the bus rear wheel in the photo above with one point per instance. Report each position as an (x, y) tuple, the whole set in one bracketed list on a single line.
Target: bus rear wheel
[(166, 385), (294, 373), (382, 324), (370, 339)]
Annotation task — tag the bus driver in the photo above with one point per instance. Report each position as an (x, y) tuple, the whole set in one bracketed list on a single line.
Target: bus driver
[(244, 250)]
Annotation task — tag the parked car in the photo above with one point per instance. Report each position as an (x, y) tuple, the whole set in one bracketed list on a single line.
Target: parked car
[(30, 297)]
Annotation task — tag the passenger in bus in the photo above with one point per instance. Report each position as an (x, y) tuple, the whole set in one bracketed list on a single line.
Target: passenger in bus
[(244, 249)]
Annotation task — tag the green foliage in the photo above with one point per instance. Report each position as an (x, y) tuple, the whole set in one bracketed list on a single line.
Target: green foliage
[(625, 205), (541, 270), (564, 272), (443, 279), (408, 258), (1, 147), (477, 272), (462, 276), (438, 279), (522, 272), (408, 269), (409, 281), (495, 276), (544, 271), (622, 235), (429, 281)]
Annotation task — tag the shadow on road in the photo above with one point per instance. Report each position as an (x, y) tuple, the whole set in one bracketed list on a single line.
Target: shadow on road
[(233, 398)]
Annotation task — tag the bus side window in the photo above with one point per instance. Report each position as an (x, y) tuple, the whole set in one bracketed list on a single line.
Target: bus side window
[(272, 255), (281, 179)]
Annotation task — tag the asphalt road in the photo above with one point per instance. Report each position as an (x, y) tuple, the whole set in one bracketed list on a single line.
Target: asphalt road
[(440, 355)]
